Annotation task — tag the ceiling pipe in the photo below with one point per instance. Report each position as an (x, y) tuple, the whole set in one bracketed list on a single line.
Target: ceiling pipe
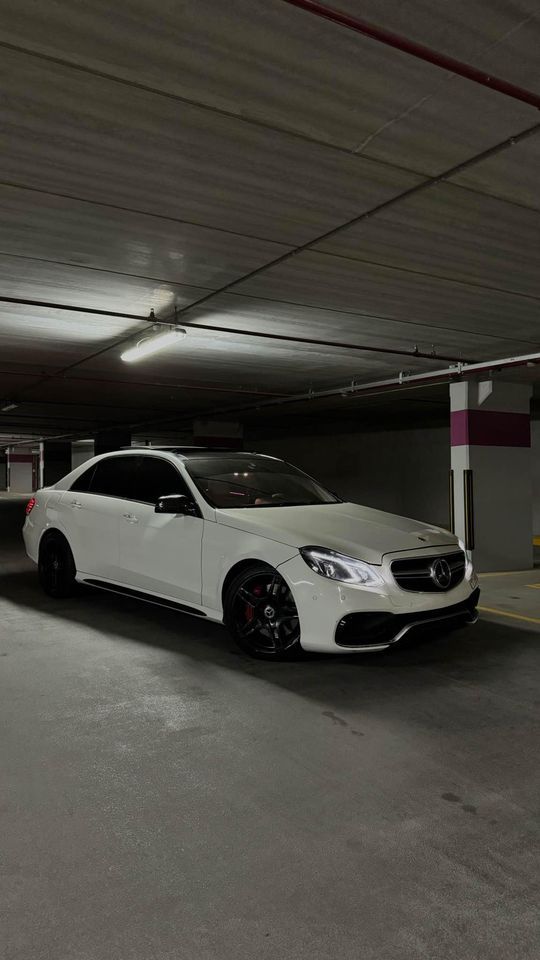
[(403, 381), (418, 50), (409, 380), (214, 328)]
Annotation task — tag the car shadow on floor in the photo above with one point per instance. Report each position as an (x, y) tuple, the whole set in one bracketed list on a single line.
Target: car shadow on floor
[(481, 656)]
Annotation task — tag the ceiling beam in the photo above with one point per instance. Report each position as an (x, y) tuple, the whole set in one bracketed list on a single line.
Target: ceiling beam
[(219, 328)]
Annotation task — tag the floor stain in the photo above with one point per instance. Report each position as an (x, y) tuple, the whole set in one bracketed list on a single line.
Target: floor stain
[(451, 797), (338, 721)]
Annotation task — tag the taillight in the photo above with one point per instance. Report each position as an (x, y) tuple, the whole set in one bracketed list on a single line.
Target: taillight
[(30, 505)]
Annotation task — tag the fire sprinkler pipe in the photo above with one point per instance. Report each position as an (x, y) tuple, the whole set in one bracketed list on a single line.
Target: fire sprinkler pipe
[(418, 50), (403, 381)]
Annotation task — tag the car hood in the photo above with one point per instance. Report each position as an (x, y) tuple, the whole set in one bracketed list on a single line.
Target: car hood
[(349, 528)]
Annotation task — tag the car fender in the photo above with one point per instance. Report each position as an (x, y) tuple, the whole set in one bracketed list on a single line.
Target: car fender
[(225, 548), (54, 520)]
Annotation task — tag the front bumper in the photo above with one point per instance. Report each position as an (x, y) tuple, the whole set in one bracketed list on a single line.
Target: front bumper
[(331, 613), (376, 631)]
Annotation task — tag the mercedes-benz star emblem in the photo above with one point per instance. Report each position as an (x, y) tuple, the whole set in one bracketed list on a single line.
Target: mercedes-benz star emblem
[(441, 573)]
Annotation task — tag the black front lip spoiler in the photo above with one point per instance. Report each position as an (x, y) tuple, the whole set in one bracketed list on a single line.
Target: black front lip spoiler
[(398, 626)]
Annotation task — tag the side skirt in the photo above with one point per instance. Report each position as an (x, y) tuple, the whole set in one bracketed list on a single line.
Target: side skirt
[(140, 595)]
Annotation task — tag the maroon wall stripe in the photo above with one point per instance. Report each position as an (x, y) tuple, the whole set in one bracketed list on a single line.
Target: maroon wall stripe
[(489, 428), (21, 458)]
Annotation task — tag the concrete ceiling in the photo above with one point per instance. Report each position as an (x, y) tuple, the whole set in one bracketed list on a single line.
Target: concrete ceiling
[(152, 157)]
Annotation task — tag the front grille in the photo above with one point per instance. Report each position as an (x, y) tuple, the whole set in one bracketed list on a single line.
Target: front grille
[(419, 573)]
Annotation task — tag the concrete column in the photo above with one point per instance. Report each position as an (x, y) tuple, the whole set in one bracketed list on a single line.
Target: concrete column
[(109, 440), (492, 467), (535, 433), (56, 460), (3, 470)]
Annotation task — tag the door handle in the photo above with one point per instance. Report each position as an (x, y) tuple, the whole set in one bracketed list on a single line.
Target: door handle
[(130, 517), (76, 504)]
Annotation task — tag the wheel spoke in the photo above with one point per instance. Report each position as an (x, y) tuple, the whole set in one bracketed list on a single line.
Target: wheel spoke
[(276, 637), (54, 569), (249, 627), (274, 587), (247, 596)]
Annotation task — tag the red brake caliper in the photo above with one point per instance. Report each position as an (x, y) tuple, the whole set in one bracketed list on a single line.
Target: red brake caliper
[(250, 610)]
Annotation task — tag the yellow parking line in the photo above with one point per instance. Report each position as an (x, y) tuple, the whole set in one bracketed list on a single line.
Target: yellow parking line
[(535, 586), (512, 616), (502, 573)]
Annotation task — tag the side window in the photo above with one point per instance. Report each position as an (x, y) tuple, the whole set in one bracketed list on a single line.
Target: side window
[(84, 481), (156, 478), (113, 477)]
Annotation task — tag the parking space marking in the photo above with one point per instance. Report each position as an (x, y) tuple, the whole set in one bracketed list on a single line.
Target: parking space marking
[(503, 573), (513, 616)]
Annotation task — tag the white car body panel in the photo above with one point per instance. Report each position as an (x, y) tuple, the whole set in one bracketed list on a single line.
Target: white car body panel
[(172, 543), (92, 523), (323, 603), (222, 543), (348, 528), (185, 559)]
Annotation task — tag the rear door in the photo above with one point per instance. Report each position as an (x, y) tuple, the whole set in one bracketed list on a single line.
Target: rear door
[(92, 510), (159, 552)]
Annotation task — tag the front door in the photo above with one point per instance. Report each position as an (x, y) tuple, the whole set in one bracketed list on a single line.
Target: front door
[(160, 552)]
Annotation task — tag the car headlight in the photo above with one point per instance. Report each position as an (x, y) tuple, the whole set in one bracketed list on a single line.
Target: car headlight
[(469, 569), (336, 566)]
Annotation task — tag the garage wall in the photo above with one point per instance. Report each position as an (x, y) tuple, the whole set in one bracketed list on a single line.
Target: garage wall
[(402, 471)]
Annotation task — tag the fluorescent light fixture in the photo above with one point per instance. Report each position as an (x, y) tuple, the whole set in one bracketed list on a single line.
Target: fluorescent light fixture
[(146, 348), (8, 406)]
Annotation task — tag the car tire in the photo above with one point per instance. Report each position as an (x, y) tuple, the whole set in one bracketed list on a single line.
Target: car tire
[(56, 566), (261, 615)]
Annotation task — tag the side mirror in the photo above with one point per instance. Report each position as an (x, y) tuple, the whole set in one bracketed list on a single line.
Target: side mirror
[(177, 503)]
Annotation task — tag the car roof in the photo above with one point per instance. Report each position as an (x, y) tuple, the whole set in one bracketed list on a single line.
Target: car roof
[(188, 453)]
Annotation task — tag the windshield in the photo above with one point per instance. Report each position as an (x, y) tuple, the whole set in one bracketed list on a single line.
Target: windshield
[(231, 481)]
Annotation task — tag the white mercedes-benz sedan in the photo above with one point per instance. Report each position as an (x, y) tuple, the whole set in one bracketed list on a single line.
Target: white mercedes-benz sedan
[(251, 541)]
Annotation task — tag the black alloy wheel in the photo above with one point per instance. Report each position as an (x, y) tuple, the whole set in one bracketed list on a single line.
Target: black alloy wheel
[(261, 614), (56, 566)]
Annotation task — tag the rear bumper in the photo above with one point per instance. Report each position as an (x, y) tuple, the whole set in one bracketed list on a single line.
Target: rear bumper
[(376, 631)]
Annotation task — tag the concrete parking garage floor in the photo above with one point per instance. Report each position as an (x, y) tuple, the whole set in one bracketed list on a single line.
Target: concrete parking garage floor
[(164, 797)]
